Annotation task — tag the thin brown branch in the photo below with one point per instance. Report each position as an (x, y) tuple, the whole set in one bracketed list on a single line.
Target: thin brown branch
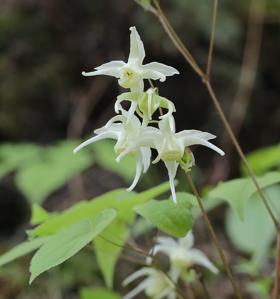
[(212, 38), (215, 238), (249, 66), (131, 248)]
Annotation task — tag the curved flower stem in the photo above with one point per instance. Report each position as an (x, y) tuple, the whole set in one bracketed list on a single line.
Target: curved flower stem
[(215, 238), (206, 80)]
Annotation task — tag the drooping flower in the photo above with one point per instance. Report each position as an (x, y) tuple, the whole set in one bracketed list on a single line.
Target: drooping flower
[(132, 138), (182, 255), (172, 146), (156, 286), (145, 104), (132, 73)]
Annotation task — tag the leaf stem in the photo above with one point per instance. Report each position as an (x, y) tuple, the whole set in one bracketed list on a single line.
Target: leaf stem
[(214, 237)]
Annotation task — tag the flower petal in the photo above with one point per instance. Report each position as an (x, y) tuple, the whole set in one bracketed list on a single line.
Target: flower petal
[(137, 174), (161, 248), (146, 157), (167, 241), (105, 135), (199, 258), (172, 167), (137, 51), (156, 70), (111, 65), (195, 133), (111, 68), (195, 140), (160, 150), (115, 128), (175, 272), (141, 287), (188, 241), (126, 96), (141, 272), (131, 110)]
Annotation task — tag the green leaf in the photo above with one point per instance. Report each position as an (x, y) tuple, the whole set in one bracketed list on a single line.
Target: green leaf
[(264, 159), (98, 293), (126, 206), (39, 215), (106, 157), (170, 218), (68, 242), (21, 250), (108, 248), (13, 156), (237, 192), (119, 199), (245, 234), (81, 210), (56, 165)]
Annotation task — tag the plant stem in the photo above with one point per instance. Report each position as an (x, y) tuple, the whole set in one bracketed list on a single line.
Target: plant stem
[(186, 53), (214, 237), (276, 287), (204, 288), (212, 39)]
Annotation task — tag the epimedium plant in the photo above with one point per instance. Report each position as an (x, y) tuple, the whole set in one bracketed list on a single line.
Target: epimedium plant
[(61, 235), (147, 125)]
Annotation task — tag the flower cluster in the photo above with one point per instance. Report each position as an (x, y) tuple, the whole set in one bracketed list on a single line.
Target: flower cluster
[(182, 256), (133, 130)]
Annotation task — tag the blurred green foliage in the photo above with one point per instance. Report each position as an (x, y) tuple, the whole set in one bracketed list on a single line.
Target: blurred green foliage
[(92, 293), (264, 159), (41, 170)]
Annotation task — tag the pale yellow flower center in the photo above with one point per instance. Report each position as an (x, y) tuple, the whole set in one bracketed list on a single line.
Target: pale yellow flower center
[(129, 77)]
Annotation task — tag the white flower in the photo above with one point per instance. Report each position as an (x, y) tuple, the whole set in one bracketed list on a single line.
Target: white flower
[(181, 254), (157, 285), (132, 72), (132, 138), (145, 104), (171, 147)]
